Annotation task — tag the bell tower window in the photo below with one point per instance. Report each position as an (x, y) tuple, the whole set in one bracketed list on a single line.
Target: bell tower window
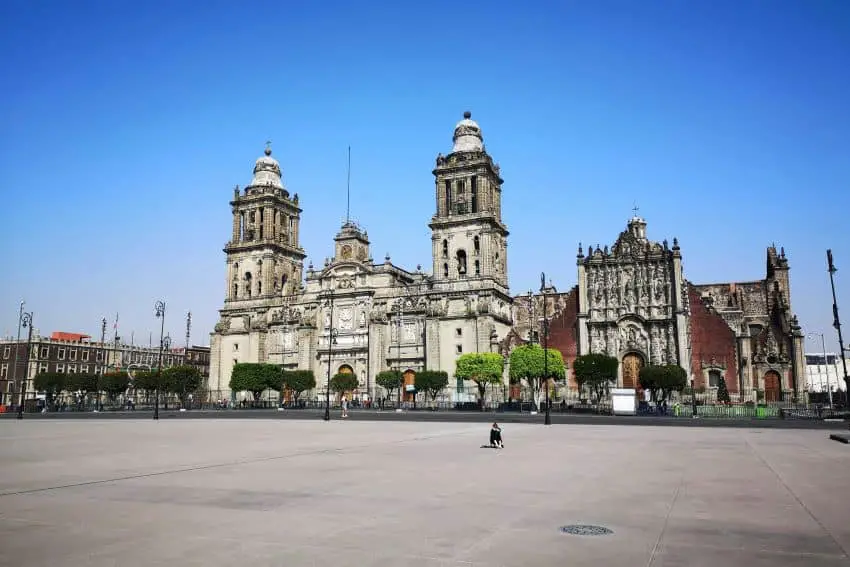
[(248, 281), (476, 243), (448, 186), (461, 262), (445, 248), (446, 270), (477, 268), (473, 184)]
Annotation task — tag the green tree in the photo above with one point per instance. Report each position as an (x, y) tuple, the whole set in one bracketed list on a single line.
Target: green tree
[(661, 380), (145, 381), (298, 382), (51, 383), (723, 392), (255, 378), (390, 380), (182, 381), (432, 382), (344, 382), (114, 383), (527, 363), (597, 372), (483, 368)]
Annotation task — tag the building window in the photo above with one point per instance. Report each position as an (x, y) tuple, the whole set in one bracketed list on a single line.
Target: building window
[(459, 349), (73, 354), (445, 270), (235, 346), (4, 370), (448, 185), (714, 378), (474, 189), (459, 332), (60, 368), (445, 248), (461, 262), (477, 268), (7, 352), (99, 356), (84, 369), (72, 369), (85, 356), (61, 355), (42, 368), (476, 245), (45, 351)]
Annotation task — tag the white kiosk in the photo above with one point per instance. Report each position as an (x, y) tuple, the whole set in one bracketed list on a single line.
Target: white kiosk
[(623, 401)]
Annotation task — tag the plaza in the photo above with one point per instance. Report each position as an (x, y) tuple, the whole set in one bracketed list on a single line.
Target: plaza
[(293, 493)]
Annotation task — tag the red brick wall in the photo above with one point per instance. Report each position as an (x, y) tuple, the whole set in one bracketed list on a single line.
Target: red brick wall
[(711, 338), (562, 333)]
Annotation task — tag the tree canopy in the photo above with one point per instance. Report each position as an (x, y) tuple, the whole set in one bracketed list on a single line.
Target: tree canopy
[(390, 380), (661, 380), (181, 380), (722, 392), (596, 371), (145, 381), (483, 368), (527, 363), (84, 383), (432, 382), (255, 378), (298, 381), (114, 383), (344, 382)]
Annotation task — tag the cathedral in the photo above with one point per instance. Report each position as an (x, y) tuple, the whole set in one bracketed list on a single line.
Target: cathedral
[(355, 315)]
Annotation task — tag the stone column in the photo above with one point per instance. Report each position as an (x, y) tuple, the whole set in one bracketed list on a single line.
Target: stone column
[(268, 222), (237, 226)]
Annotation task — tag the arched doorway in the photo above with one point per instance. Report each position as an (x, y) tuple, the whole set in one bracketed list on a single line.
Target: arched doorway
[(632, 363), (409, 380), (772, 386), (345, 369)]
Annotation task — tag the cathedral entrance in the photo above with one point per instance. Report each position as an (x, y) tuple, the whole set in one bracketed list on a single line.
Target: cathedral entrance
[(632, 363), (345, 369), (772, 389), (409, 380)]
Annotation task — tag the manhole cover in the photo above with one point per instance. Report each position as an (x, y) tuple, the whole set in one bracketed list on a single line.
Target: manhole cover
[(586, 530)]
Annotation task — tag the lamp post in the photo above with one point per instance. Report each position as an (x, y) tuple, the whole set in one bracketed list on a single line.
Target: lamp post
[(825, 367), (25, 322), (103, 361), (693, 398), (399, 307), (837, 324), (547, 420), (17, 344), (331, 340), (159, 308)]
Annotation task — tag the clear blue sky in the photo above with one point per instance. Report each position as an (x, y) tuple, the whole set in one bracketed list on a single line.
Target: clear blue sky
[(127, 124)]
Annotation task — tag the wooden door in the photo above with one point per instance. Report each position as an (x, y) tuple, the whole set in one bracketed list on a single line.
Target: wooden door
[(772, 388), (632, 363), (409, 380)]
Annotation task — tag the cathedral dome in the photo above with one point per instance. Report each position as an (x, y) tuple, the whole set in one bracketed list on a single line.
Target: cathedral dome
[(267, 171), (467, 137)]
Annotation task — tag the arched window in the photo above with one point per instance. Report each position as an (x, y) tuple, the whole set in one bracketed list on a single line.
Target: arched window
[(260, 287), (461, 262), (283, 279), (476, 243), (477, 268), (445, 248), (235, 290), (474, 189), (446, 270), (248, 281)]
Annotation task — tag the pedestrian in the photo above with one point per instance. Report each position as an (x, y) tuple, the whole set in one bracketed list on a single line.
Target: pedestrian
[(496, 436), (344, 407)]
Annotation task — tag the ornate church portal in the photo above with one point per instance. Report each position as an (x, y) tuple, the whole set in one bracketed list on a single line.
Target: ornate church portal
[(632, 363)]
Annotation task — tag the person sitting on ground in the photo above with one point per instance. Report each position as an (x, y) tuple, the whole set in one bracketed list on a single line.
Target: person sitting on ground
[(496, 436)]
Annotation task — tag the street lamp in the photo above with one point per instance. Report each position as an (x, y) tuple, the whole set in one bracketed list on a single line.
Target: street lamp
[(399, 306), (825, 367), (25, 322), (103, 361), (332, 333), (548, 418), (836, 322), (159, 308), (17, 344)]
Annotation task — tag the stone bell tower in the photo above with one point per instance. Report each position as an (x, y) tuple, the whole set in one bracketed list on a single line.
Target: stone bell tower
[(468, 238), (264, 257)]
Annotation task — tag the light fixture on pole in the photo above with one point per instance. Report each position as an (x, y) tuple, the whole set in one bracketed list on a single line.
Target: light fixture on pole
[(17, 345), (547, 420), (159, 308), (26, 323), (331, 340)]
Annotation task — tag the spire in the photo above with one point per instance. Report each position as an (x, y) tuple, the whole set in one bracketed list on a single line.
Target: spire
[(348, 190), (467, 136)]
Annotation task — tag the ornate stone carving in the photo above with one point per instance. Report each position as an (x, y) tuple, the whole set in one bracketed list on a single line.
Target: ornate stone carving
[(346, 318)]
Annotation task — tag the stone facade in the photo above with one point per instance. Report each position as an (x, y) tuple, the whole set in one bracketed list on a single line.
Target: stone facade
[(356, 315), (633, 302)]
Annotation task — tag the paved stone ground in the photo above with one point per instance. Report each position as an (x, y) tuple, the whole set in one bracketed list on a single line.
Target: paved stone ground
[(344, 493)]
